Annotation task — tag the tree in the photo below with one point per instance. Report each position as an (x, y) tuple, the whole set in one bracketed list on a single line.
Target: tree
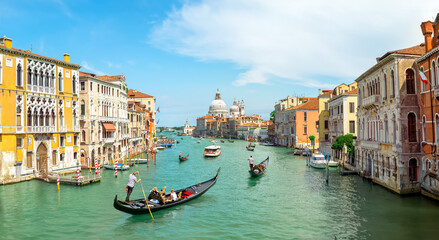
[(341, 141), (272, 115), (312, 138)]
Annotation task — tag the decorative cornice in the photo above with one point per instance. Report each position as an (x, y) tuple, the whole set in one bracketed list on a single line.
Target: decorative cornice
[(427, 55)]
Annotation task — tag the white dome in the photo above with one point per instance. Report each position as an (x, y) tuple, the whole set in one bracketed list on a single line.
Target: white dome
[(218, 107), (234, 108)]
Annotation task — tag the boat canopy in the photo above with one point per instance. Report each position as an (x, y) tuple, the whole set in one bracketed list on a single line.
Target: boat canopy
[(212, 147)]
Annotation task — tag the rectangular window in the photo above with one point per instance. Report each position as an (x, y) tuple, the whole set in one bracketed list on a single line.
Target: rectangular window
[(91, 86), (19, 142), (341, 107), (305, 116), (305, 130), (54, 158), (61, 157), (60, 82), (326, 137), (82, 86), (326, 124), (69, 138), (351, 107), (326, 106), (29, 160), (61, 141), (351, 126), (75, 140)]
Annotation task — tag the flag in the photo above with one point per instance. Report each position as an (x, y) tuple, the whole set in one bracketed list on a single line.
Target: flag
[(158, 109), (422, 75)]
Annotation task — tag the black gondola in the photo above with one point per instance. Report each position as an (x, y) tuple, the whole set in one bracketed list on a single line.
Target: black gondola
[(187, 194), (183, 158), (250, 148), (231, 141), (259, 169)]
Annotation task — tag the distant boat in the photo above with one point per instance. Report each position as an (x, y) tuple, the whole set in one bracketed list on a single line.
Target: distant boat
[(198, 141), (137, 161), (318, 161), (212, 151), (183, 158), (160, 148), (119, 167), (250, 148), (259, 169), (231, 141), (222, 141), (298, 152)]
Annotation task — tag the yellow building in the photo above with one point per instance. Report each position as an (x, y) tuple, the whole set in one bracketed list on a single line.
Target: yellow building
[(323, 126), (148, 103), (39, 126)]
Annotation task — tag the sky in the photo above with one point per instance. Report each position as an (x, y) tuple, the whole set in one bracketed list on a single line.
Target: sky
[(182, 51)]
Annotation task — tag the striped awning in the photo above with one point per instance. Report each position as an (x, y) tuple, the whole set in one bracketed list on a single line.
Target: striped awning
[(109, 127)]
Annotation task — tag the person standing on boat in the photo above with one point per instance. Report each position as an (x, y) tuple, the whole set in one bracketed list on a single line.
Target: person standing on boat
[(251, 162), (131, 180), (180, 154)]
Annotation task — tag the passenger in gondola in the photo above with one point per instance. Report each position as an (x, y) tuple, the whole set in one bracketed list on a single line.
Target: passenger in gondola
[(172, 197), (251, 162), (154, 194)]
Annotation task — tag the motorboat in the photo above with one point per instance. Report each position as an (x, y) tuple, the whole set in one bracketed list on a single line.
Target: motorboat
[(318, 160), (212, 151)]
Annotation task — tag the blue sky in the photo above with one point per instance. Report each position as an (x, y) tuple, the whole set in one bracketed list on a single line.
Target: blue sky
[(182, 51)]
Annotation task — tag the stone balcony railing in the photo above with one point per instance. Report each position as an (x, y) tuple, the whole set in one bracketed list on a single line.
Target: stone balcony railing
[(108, 140), (371, 100), (63, 129), (76, 128), (82, 117), (40, 129), (107, 119), (40, 89), (125, 136), (93, 117)]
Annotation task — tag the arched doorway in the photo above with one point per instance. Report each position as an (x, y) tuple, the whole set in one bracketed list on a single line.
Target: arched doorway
[(110, 154), (83, 158), (413, 169), (42, 160)]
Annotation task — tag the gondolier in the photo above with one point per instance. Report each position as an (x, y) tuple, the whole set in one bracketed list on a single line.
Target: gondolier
[(131, 180), (251, 162)]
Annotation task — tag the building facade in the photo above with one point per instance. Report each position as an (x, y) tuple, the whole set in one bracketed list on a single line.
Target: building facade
[(387, 147), (103, 118), (303, 124), (39, 110), (323, 124)]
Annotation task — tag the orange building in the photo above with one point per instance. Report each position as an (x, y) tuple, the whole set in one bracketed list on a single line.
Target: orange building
[(303, 119), (428, 121)]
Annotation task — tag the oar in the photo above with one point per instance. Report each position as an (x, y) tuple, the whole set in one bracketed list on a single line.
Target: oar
[(146, 200)]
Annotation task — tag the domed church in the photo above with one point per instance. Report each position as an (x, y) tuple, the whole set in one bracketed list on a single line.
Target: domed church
[(218, 107)]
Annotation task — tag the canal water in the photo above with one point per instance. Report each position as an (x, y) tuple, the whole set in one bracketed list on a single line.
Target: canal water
[(290, 202)]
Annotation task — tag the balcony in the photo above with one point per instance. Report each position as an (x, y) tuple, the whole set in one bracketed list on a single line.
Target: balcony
[(40, 129), (370, 144), (93, 117), (125, 136), (107, 119), (370, 101), (40, 89), (82, 117), (135, 139), (63, 129), (76, 128), (108, 140)]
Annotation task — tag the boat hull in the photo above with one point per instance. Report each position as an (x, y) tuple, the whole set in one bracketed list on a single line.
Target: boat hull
[(260, 171)]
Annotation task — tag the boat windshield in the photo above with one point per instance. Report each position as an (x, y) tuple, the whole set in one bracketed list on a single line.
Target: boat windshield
[(319, 158)]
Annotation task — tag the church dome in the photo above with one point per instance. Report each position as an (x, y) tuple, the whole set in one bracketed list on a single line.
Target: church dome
[(218, 107), (234, 109)]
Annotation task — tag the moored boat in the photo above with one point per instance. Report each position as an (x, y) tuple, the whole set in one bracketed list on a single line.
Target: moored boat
[(250, 148), (212, 151), (259, 169), (231, 141), (187, 194), (318, 161), (119, 167), (137, 161)]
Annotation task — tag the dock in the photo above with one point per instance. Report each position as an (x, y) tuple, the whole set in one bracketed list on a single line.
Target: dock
[(72, 180)]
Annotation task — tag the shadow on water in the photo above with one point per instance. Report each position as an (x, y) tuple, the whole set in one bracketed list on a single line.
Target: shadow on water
[(253, 181)]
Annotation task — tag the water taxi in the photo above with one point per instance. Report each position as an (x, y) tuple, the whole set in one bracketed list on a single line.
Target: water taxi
[(212, 151), (318, 161)]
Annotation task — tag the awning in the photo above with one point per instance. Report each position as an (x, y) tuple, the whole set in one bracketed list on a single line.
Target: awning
[(109, 127)]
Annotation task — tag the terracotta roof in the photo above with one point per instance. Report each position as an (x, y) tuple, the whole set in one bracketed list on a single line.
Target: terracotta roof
[(415, 50), (249, 125), (353, 91), (312, 104), (110, 78), (38, 55), (326, 93), (207, 116), (136, 94), (86, 74)]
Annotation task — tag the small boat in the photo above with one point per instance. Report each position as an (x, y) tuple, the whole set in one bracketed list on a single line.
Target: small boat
[(259, 169), (231, 141), (186, 194), (222, 141), (212, 151), (119, 167), (178, 142), (169, 145), (298, 152), (250, 148), (183, 158), (160, 148), (137, 161), (198, 141), (318, 161), (162, 145)]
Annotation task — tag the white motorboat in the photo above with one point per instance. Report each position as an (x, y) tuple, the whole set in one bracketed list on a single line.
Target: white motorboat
[(212, 151), (318, 161)]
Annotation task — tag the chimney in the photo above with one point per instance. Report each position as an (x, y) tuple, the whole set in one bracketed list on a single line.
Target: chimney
[(320, 91), (427, 30), (5, 41), (66, 57)]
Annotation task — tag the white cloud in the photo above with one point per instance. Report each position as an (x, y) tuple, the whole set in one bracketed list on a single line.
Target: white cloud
[(85, 65), (293, 40)]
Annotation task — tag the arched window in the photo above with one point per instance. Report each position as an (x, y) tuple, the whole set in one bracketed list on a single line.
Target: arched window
[(411, 127), (413, 169), (40, 78), (60, 82), (392, 84), (74, 84), (410, 81), (394, 129), (19, 75), (433, 73), (52, 80), (386, 129), (424, 128), (29, 76), (29, 117), (385, 86)]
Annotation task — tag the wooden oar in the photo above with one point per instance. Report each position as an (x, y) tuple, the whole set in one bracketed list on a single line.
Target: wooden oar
[(146, 200)]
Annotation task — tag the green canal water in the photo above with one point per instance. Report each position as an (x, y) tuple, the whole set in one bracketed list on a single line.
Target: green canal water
[(290, 202)]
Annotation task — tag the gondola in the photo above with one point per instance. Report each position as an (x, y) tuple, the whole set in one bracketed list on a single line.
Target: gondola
[(187, 194), (250, 148), (259, 169), (222, 141), (231, 141), (183, 158)]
